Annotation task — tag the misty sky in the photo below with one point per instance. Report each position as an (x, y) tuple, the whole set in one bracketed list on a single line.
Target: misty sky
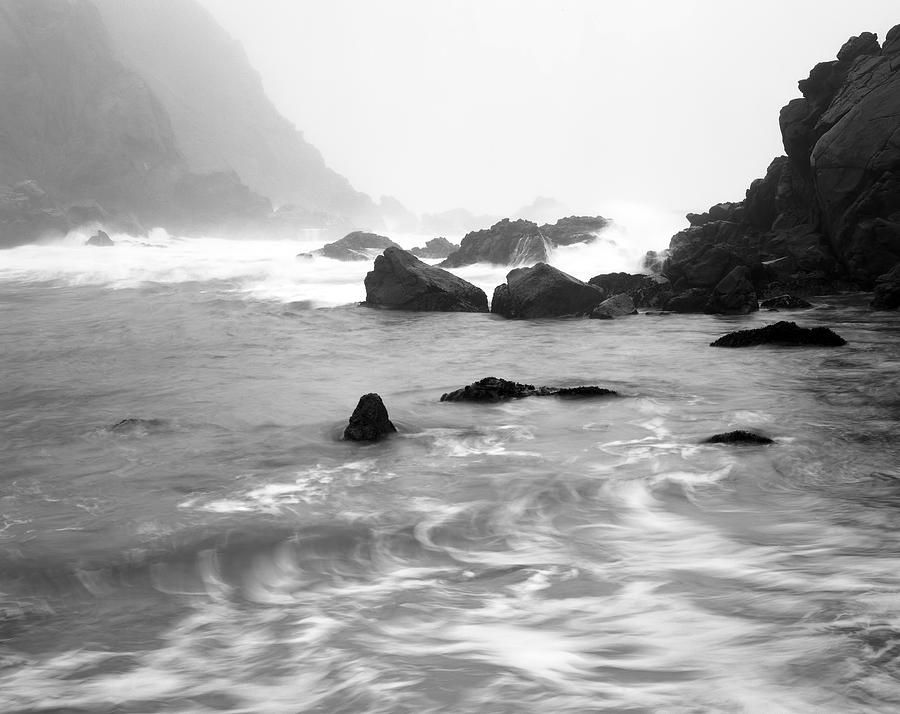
[(487, 104)]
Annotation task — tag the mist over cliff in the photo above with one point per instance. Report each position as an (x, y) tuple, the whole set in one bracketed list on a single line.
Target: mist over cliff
[(146, 113)]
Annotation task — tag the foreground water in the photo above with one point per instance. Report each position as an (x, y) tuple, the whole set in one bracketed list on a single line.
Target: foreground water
[(229, 554)]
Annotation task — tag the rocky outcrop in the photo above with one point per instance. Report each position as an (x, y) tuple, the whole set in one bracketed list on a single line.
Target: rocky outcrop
[(826, 217), (27, 214), (574, 229), (400, 281), (543, 291), (357, 245), (738, 437), (494, 389), (369, 421), (887, 290), (100, 239), (504, 243), (650, 291), (436, 249), (781, 333), (616, 306), (733, 294), (785, 302)]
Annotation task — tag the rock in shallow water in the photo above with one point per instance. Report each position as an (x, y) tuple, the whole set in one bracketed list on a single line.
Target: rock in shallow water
[(369, 421), (544, 291), (781, 333), (616, 306), (785, 302), (400, 281), (738, 437), (494, 389), (100, 239)]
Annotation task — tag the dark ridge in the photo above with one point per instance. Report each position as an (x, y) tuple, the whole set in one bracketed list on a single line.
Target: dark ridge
[(781, 333), (494, 389)]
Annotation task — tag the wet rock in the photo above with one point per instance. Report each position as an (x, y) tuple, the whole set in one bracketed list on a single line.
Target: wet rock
[(644, 290), (574, 229), (400, 281), (616, 306), (738, 437), (887, 290), (357, 245), (494, 389), (504, 243), (544, 291), (100, 239), (436, 248), (785, 302), (369, 421), (691, 300), (734, 294), (781, 333)]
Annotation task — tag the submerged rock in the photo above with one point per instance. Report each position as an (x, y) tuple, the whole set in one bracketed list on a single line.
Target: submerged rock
[(357, 245), (738, 437), (781, 333), (400, 281), (100, 239), (132, 424), (785, 302), (494, 389), (544, 291), (435, 249), (369, 421), (616, 306)]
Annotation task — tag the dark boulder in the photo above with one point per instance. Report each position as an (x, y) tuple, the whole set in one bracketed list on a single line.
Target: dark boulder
[(504, 243), (785, 302), (733, 294), (544, 291), (691, 300), (781, 333), (617, 306), (738, 437), (644, 290), (435, 249), (887, 290), (494, 389), (400, 281), (574, 229), (356, 246), (369, 421), (100, 239)]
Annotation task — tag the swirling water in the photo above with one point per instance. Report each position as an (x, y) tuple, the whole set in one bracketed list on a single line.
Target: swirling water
[(225, 552)]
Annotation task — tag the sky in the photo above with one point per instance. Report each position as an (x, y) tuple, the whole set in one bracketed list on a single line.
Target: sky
[(487, 104)]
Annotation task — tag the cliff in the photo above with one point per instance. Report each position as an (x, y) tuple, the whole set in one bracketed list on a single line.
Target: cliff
[(145, 112), (826, 216)]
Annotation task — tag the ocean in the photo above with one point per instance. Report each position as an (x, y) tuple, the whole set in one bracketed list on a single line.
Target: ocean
[(182, 529)]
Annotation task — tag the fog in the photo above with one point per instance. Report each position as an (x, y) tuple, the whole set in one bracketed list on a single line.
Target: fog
[(487, 105)]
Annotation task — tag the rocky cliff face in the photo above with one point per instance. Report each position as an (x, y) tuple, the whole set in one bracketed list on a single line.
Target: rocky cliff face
[(220, 114), (826, 216), (155, 122)]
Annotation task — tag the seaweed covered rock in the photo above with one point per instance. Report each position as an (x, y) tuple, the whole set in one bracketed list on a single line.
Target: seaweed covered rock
[(369, 421), (738, 437), (400, 281), (544, 291), (781, 333), (495, 389)]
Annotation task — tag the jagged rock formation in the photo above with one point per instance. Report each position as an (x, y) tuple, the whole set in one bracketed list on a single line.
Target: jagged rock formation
[(781, 333), (136, 127), (435, 249), (369, 421), (825, 217), (357, 245), (400, 281), (522, 242), (543, 291), (651, 291), (100, 239), (495, 389)]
